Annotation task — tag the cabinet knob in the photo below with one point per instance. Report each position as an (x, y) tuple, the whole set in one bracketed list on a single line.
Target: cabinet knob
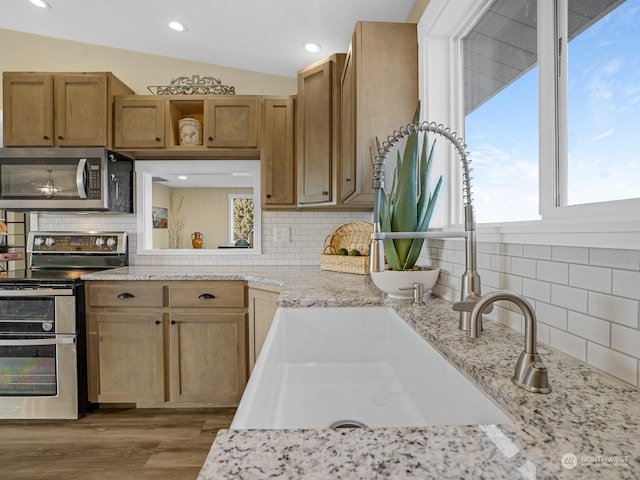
[(206, 296), (158, 139), (124, 295), (46, 137), (268, 195), (60, 137), (325, 193), (173, 322), (158, 322), (348, 179)]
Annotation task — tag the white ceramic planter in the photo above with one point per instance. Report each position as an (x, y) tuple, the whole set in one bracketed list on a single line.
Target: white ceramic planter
[(391, 281)]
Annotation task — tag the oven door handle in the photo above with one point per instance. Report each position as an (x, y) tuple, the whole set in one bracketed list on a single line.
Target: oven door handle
[(59, 340), (36, 292)]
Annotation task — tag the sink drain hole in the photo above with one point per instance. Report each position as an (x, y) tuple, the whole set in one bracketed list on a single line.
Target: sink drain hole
[(348, 424)]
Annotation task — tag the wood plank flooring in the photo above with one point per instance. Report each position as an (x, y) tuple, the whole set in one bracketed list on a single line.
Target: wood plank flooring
[(110, 444)]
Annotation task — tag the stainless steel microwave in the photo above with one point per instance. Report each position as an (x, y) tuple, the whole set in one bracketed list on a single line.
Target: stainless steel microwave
[(66, 179)]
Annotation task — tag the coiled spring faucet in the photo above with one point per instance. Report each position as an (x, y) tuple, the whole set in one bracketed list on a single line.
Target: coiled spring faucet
[(470, 285)]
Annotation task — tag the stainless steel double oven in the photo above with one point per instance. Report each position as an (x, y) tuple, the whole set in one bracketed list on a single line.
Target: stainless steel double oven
[(43, 371)]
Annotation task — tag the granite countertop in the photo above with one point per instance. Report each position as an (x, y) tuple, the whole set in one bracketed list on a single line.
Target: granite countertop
[(589, 417)]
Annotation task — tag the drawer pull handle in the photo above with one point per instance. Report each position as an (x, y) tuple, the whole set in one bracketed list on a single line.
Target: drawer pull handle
[(206, 296), (122, 296), (158, 322), (173, 322)]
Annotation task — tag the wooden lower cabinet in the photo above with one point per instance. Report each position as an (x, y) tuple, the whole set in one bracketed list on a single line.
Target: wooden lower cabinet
[(142, 350), (262, 308), (126, 357), (207, 360)]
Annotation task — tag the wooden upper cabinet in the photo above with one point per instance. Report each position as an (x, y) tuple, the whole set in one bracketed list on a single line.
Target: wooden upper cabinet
[(139, 122), (80, 110), (28, 109), (231, 122), (317, 142), (59, 109), (277, 154), (379, 95)]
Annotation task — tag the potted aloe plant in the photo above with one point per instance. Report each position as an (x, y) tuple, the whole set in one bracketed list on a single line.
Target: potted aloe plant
[(408, 207)]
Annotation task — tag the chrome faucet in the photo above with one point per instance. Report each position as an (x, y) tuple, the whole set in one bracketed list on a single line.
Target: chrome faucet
[(530, 373), (470, 282)]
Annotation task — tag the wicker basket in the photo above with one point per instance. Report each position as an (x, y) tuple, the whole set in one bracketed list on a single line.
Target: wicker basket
[(353, 235)]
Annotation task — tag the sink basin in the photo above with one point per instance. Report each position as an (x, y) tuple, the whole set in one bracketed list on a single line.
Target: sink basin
[(363, 365)]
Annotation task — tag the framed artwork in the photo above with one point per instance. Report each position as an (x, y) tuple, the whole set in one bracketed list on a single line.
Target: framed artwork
[(160, 217)]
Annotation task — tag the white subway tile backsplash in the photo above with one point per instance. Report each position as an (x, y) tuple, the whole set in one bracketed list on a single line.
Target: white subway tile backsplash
[(509, 282), (590, 278), (623, 259), (614, 363), (626, 284), (591, 328), (500, 263), (536, 290), (568, 343), (625, 340), (570, 254), (554, 272), (552, 315), (512, 249), (569, 297), (616, 309), (541, 252), (525, 267)]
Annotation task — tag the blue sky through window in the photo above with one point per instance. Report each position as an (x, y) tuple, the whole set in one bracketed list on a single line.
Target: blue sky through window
[(603, 120)]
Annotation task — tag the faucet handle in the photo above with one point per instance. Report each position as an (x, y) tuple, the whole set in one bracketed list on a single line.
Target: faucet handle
[(418, 293)]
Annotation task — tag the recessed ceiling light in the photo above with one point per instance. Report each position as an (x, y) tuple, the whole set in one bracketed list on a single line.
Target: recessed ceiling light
[(311, 47), (177, 26), (40, 3), (182, 177)]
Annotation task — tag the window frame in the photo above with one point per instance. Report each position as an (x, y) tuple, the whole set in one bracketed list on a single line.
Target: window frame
[(612, 224)]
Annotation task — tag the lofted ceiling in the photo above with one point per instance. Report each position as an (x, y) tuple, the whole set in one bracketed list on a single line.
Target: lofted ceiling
[(257, 35)]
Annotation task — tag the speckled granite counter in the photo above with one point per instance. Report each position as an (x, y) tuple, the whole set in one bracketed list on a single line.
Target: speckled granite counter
[(588, 415)]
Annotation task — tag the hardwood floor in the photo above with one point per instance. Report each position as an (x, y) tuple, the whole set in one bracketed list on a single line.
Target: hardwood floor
[(122, 444)]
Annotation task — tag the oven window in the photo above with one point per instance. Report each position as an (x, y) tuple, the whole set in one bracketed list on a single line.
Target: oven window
[(27, 368)]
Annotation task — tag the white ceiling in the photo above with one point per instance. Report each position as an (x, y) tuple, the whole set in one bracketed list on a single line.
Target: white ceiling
[(258, 35)]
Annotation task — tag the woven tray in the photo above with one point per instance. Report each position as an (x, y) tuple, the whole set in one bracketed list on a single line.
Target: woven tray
[(353, 235)]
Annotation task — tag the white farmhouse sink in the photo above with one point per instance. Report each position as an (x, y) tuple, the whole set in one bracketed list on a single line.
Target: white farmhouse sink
[(319, 366)]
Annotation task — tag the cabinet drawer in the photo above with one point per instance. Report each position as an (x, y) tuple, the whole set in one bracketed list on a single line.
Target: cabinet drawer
[(217, 293), (125, 294)]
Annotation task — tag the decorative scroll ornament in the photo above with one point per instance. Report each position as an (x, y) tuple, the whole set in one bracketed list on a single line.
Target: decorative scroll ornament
[(195, 85)]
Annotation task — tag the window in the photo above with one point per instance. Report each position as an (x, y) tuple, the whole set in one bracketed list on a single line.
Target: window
[(550, 120), (603, 101), (241, 220), (501, 111)]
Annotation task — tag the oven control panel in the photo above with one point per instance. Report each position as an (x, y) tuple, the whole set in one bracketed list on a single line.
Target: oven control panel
[(75, 242)]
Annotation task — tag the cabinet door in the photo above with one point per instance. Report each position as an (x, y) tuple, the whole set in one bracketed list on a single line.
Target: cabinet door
[(207, 357), (262, 308), (277, 152), (139, 122), (382, 91), (348, 128), (126, 357), (231, 122), (80, 110), (314, 142), (28, 110)]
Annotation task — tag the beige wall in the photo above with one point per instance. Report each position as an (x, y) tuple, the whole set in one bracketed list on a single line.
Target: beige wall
[(208, 210), (26, 52)]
